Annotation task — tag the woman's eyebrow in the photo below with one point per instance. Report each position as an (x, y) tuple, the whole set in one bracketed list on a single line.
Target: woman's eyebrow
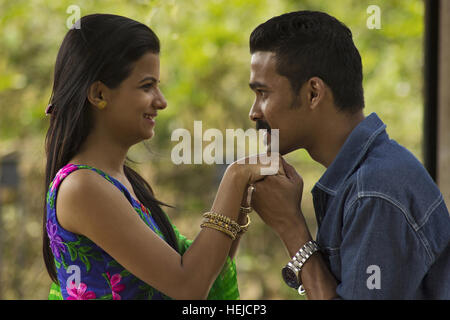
[(149, 78)]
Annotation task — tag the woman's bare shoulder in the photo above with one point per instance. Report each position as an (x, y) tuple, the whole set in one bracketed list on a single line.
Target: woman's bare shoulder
[(81, 196)]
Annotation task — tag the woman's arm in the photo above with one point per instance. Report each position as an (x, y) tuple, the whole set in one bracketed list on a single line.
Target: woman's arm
[(88, 206), (234, 246), (242, 220)]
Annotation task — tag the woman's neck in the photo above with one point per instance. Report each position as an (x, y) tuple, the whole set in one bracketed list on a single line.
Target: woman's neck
[(102, 154)]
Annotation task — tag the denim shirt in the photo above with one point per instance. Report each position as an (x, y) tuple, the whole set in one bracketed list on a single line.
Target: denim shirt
[(383, 226)]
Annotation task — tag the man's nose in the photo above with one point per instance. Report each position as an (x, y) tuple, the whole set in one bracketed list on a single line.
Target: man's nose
[(255, 112)]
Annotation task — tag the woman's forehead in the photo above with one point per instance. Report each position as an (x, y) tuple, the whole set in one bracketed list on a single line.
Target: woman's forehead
[(146, 66)]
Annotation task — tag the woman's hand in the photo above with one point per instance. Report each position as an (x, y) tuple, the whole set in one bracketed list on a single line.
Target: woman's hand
[(238, 176), (277, 200), (255, 168)]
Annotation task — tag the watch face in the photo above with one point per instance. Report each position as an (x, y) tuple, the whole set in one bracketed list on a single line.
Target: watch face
[(290, 277)]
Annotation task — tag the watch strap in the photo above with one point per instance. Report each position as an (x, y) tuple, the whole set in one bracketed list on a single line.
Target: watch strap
[(300, 258)]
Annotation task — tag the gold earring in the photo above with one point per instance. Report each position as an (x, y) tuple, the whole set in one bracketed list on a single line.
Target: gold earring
[(101, 104)]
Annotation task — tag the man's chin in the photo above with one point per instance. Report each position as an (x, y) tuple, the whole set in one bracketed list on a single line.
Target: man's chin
[(280, 151), (268, 145), (266, 139)]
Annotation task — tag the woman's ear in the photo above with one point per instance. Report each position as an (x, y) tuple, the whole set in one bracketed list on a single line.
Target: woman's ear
[(96, 94)]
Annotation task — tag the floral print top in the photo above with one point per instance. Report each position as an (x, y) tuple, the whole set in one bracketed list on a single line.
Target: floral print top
[(99, 275)]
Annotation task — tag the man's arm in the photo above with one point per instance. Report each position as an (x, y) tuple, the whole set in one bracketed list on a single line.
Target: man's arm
[(278, 202), (318, 282)]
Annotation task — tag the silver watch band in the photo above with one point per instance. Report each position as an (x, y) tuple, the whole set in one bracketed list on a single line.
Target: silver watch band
[(299, 259), (303, 254)]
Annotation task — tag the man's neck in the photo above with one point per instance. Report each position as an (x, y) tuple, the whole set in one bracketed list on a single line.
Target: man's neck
[(334, 132)]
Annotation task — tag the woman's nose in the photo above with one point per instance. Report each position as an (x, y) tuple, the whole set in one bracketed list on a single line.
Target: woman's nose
[(160, 102)]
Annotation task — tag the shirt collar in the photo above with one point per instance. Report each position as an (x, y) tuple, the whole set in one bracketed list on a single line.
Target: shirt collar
[(351, 153)]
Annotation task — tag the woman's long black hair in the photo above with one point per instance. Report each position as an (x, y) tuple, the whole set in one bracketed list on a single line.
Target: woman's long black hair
[(104, 48)]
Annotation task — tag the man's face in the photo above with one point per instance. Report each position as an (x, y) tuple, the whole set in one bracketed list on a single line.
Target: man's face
[(276, 106)]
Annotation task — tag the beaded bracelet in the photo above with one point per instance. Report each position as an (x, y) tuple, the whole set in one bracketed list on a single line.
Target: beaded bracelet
[(222, 221)]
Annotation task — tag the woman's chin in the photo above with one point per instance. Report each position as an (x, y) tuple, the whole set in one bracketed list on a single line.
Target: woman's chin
[(149, 135)]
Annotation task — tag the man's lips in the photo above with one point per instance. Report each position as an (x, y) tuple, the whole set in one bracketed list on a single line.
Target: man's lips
[(262, 125)]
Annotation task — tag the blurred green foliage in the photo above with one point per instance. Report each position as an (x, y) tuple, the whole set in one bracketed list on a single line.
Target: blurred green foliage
[(204, 76)]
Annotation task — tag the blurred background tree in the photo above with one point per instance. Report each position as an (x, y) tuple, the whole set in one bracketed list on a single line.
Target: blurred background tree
[(204, 76)]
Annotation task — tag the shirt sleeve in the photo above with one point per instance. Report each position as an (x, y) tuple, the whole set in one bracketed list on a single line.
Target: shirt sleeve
[(382, 256)]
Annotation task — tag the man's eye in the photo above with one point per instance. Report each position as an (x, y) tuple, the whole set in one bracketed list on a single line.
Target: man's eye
[(262, 93)]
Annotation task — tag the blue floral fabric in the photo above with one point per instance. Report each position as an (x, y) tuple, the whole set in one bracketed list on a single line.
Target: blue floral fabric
[(102, 277)]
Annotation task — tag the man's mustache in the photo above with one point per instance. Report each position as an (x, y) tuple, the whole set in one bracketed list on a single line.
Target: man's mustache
[(260, 124)]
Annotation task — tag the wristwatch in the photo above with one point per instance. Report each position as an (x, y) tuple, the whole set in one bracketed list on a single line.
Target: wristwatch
[(292, 270)]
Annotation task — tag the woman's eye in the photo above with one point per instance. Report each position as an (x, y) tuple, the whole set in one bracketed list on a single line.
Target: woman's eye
[(147, 86)]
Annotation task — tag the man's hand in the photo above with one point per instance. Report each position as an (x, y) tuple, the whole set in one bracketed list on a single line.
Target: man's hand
[(277, 200)]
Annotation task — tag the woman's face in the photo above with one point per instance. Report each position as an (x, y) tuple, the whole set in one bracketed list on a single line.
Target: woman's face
[(132, 106)]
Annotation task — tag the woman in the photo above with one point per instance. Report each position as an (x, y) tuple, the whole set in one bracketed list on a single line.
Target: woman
[(105, 99)]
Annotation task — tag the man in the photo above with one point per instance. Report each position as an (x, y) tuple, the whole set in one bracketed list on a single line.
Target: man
[(383, 226)]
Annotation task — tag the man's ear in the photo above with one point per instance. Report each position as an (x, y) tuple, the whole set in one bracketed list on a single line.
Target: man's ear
[(96, 93), (315, 88)]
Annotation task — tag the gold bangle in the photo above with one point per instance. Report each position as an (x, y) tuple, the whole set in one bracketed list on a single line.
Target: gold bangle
[(228, 232), (244, 228)]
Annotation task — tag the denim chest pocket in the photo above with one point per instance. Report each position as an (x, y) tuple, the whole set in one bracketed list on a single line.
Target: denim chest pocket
[(332, 258)]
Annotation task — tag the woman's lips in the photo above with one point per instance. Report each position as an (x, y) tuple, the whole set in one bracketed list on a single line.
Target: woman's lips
[(149, 118)]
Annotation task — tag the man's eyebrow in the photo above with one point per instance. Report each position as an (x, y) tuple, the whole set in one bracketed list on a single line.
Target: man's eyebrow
[(256, 84), (149, 78)]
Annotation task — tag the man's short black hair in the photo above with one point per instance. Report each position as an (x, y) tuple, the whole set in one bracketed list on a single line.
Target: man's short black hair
[(314, 44)]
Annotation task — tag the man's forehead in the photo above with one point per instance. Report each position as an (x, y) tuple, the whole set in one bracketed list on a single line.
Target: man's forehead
[(263, 68), (263, 59)]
